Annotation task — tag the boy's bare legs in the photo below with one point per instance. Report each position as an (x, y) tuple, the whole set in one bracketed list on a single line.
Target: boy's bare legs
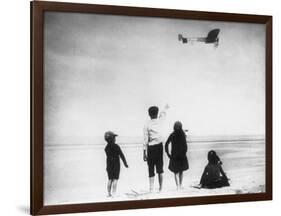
[(181, 178), (114, 186), (176, 180), (109, 186), (151, 184), (160, 179)]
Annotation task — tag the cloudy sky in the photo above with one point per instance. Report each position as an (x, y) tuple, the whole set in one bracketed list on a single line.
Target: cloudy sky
[(102, 72)]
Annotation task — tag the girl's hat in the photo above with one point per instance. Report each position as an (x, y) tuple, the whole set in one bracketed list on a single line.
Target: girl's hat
[(109, 134)]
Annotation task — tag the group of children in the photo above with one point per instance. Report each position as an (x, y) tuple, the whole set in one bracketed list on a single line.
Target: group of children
[(212, 177)]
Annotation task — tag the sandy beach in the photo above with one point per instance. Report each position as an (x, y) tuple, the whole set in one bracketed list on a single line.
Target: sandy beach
[(76, 173)]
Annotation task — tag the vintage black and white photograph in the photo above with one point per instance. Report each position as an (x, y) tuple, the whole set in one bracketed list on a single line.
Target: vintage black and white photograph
[(143, 108)]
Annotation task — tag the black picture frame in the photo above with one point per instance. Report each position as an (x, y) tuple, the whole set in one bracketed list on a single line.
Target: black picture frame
[(37, 107)]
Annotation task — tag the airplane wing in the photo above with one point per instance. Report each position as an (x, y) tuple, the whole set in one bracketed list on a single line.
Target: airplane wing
[(212, 36)]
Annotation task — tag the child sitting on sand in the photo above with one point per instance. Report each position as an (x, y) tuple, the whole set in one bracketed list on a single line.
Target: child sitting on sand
[(113, 154), (178, 160), (213, 175)]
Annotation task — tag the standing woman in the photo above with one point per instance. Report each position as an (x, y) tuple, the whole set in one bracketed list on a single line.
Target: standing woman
[(178, 159)]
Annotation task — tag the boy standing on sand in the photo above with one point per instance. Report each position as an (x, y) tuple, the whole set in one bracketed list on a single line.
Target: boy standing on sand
[(113, 154), (153, 145)]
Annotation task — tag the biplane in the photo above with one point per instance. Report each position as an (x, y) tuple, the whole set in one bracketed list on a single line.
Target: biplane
[(212, 37)]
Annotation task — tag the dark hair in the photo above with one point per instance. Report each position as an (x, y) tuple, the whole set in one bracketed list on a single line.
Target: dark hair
[(213, 158), (177, 126), (179, 135), (153, 111)]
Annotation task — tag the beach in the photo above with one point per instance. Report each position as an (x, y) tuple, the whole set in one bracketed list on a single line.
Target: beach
[(76, 173)]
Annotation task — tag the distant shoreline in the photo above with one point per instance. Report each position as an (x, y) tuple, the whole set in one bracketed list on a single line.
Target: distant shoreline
[(138, 143)]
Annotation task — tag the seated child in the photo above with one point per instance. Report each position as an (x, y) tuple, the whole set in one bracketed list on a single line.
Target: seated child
[(113, 154), (213, 175)]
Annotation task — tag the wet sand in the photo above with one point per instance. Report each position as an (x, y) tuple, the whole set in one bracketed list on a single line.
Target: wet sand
[(76, 173)]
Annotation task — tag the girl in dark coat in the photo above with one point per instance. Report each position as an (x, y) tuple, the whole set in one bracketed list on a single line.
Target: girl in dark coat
[(113, 155), (178, 160), (213, 175)]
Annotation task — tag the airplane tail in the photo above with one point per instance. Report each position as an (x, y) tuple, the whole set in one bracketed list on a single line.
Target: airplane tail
[(183, 39), (180, 37)]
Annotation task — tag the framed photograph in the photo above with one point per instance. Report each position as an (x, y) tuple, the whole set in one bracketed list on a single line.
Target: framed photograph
[(142, 107)]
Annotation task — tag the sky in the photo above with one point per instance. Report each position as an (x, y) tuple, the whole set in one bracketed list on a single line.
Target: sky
[(102, 72)]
